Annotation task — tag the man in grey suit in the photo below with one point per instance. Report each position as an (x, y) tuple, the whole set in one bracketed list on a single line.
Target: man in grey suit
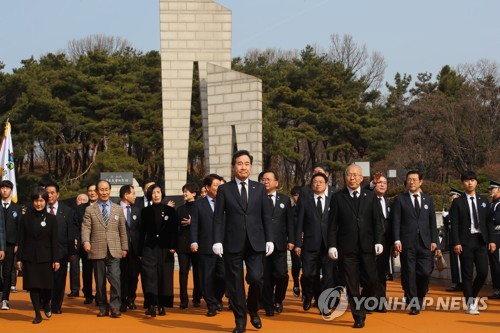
[(242, 228), (415, 238), (104, 238)]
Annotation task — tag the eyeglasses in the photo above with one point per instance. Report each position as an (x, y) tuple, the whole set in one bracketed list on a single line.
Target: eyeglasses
[(352, 175)]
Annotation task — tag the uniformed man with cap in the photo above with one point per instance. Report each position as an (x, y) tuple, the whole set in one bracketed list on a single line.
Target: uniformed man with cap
[(494, 190), (456, 277)]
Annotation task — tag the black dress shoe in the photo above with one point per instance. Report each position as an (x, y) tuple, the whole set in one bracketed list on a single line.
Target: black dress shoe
[(389, 277), (211, 312), (359, 323), (115, 313), (88, 300), (307, 304), (57, 311), (255, 320), (381, 310), (239, 329), (278, 307), (103, 313), (414, 312), (457, 287), (269, 313), (183, 305), (151, 311), (161, 311), (123, 308), (196, 304), (296, 291), (47, 311), (71, 295), (37, 320), (131, 305), (219, 306)]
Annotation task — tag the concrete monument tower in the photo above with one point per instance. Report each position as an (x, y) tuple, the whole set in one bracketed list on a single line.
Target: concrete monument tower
[(200, 31)]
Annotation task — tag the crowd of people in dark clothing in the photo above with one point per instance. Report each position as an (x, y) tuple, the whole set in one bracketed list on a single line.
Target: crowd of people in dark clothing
[(335, 237)]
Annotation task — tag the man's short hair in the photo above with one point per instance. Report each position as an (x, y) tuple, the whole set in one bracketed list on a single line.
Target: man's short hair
[(319, 174), (209, 179), (414, 172), (125, 189), (295, 190), (91, 184), (100, 181), (52, 184), (275, 174), (468, 175), (241, 153), (147, 181), (6, 183)]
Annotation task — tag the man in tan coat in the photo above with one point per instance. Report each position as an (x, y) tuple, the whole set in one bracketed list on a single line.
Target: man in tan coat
[(104, 238)]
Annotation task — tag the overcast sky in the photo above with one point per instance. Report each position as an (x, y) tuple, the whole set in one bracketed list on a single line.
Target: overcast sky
[(413, 36)]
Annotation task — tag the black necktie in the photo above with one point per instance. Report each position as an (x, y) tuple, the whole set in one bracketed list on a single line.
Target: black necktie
[(383, 210), (129, 215), (271, 202), (244, 197), (417, 205), (475, 218), (355, 199), (319, 207)]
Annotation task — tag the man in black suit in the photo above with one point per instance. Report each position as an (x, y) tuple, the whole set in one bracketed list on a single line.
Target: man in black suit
[(415, 238), (211, 267), (143, 201), (456, 276), (130, 266), (86, 263), (384, 259), (311, 240), (67, 243), (246, 236), (296, 261), (11, 214), (494, 190), (355, 236), (275, 265), (472, 235)]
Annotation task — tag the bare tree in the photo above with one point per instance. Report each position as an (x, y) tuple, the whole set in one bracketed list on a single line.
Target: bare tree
[(481, 70), (107, 44), (368, 67)]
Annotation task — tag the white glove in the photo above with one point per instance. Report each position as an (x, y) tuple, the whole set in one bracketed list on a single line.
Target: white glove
[(332, 253), (379, 248), (269, 248), (217, 248)]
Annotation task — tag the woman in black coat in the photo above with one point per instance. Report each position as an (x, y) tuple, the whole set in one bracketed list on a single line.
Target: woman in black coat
[(185, 257), (38, 252), (158, 241)]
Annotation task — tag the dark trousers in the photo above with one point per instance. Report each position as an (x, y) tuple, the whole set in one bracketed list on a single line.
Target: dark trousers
[(383, 267), (296, 267), (187, 260), (315, 263), (87, 268), (130, 267), (416, 266), (7, 269), (456, 276), (275, 279), (74, 275), (233, 263), (359, 269), (212, 279), (108, 267), (59, 286), (495, 264), (474, 253)]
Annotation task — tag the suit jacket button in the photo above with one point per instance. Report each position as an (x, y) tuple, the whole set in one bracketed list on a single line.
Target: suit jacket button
[(157, 236)]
